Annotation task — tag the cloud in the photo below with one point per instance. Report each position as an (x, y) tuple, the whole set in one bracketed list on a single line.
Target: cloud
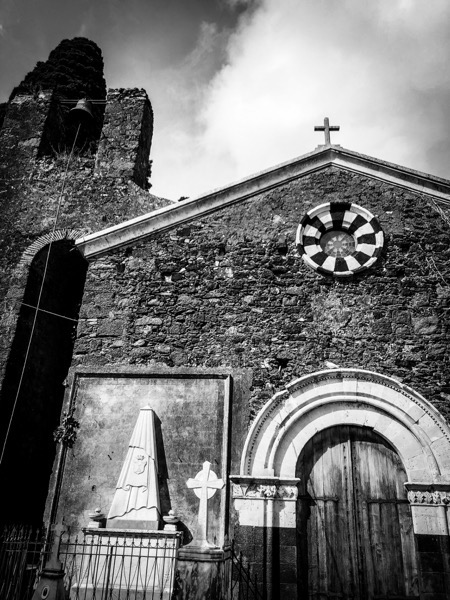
[(377, 69), (238, 85), (179, 128)]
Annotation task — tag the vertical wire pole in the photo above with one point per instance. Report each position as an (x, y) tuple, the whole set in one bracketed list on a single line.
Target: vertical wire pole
[(71, 554), (123, 570), (110, 556), (135, 545), (40, 554), (159, 575), (149, 550), (154, 568), (121, 564), (139, 579), (136, 570), (154, 547), (68, 563), (143, 563), (156, 573), (35, 554), (90, 570), (20, 575), (140, 582), (166, 567), (114, 550), (158, 578)]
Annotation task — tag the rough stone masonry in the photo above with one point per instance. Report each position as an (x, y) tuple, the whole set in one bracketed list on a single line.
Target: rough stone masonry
[(230, 290)]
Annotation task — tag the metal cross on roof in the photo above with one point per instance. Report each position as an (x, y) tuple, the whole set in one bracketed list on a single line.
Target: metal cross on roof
[(326, 127)]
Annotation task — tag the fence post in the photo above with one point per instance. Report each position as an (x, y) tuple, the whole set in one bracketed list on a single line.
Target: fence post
[(51, 585)]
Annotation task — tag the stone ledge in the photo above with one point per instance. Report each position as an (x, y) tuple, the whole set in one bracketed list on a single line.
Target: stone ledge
[(431, 494), (203, 554), (264, 488)]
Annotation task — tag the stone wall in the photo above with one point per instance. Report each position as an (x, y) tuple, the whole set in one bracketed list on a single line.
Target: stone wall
[(45, 197), (24, 131), (126, 136), (192, 426), (230, 290), (32, 187)]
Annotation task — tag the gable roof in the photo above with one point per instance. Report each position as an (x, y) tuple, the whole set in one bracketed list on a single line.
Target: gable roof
[(131, 231)]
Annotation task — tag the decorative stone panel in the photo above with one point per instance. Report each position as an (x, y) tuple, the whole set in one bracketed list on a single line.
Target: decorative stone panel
[(265, 501), (423, 494), (264, 488)]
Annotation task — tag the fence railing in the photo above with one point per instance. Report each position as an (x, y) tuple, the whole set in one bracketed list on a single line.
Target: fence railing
[(22, 556), (244, 583), (108, 563)]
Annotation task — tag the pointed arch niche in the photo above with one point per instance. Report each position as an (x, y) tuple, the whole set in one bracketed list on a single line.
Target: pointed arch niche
[(265, 491)]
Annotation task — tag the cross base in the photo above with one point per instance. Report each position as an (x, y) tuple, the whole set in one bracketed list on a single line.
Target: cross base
[(201, 545), (320, 146), (203, 553)]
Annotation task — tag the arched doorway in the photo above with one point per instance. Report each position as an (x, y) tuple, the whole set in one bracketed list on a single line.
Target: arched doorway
[(354, 525), (408, 435)]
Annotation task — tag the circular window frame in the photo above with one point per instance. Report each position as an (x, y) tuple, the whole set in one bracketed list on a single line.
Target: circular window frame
[(340, 216)]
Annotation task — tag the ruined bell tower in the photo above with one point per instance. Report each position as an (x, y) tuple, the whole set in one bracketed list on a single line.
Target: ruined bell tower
[(60, 178)]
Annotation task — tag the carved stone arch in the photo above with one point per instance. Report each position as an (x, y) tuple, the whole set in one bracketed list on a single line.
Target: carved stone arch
[(44, 240), (266, 492), (14, 297), (349, 397)]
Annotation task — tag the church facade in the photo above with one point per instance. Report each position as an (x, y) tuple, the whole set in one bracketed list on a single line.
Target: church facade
[(291, 330)]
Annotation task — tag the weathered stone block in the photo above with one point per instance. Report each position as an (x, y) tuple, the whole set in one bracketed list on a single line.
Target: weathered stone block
[(425, 325), (113, 327)]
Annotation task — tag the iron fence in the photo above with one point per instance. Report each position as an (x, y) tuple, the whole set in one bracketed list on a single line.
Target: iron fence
[(244, 584), (22, 556), (107, 564)]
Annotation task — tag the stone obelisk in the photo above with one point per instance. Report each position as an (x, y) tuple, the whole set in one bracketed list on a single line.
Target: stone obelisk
[(136, 500)]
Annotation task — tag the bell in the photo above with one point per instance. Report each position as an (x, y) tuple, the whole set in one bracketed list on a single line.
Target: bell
[(82, 112)]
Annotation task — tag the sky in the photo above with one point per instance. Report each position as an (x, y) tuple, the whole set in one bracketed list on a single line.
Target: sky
[(237, 86)]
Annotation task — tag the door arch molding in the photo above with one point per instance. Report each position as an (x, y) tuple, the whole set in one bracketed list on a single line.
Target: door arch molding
[(412, 425), (265, 492)]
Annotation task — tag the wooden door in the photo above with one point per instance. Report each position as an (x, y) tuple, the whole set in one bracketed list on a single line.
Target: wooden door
[(354, 525)]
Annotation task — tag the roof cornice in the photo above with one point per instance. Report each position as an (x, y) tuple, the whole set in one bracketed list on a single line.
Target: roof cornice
[(129, 232)]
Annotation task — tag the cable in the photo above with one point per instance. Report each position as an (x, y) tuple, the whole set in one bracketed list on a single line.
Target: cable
[(58, 208), (49, 312)]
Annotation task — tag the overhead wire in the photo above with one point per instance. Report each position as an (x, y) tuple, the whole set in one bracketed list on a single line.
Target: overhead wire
[(41, 289)]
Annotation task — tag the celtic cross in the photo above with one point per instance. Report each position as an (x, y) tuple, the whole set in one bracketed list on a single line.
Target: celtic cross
[(204, 485)]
